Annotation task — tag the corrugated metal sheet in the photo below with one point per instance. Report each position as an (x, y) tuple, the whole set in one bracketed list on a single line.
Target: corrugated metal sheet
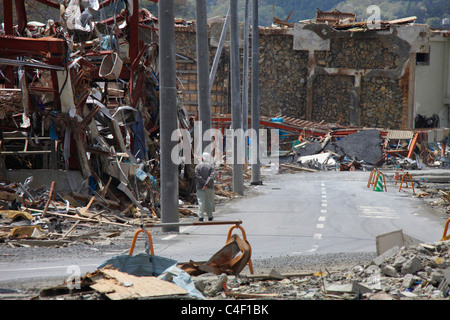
[(400, 134)]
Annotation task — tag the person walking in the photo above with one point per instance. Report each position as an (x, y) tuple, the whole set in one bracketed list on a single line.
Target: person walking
[(204, 172)]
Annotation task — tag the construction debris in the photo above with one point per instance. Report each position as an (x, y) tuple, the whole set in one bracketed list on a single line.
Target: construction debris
[(327, 146), (419, 272), (413, 272), (118, 285), (112, 284)]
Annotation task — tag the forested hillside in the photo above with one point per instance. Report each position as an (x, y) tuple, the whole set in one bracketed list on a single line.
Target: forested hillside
[(427, 11)]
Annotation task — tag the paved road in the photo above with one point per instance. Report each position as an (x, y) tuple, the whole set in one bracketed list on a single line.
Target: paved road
[(291, 214), (311, 213)]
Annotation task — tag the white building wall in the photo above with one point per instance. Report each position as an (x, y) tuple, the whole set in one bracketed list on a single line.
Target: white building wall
[(432, 83)]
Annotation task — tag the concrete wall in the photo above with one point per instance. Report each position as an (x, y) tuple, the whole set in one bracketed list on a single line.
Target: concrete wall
[(360, 78), (432, 86)]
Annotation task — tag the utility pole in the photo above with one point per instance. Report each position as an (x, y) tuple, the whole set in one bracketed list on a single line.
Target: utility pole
[(203, 86), (245, 79), (168, 115), (236, 115), (256, 163)]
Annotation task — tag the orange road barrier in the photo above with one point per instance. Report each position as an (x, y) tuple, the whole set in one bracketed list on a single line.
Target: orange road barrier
[(405, 178), (372, 178), (133, 243), (446, 237), (250, 265), (397, 178)]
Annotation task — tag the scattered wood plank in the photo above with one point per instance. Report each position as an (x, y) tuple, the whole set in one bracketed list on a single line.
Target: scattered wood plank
[(287, 166), (52, 188), (75, 217), (71, 229), (117, 285)]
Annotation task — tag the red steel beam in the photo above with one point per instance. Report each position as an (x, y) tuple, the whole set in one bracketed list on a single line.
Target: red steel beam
[(21, 15), (53, 49)]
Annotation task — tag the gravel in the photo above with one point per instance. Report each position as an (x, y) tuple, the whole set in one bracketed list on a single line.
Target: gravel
[(312, 262)]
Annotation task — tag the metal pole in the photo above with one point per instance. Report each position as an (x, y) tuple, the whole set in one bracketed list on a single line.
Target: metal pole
[(256, 165), (238, 180), (9, 30), (168, 115), (219, 49), (134, 31), (206, 223), (245, 80), (203, 89)]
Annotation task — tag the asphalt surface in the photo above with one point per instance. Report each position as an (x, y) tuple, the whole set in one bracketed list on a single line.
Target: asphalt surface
[(325, 212), (294, 220)]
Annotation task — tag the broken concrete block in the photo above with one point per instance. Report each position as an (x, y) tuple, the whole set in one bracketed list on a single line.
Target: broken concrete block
[(359, 288), (399, 262), (439, 261), (389, 270), (386, 241), (447, 274), (408, 281), (310, 295), (339, 288), (444, 287), (219, 285), (436, 277), (275, 274), (412, 266), (386, 255)]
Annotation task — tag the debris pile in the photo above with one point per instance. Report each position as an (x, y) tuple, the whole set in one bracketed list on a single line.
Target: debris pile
[(44, 217), (112, 284), (401, 273), (311, 146), (80, 101), (414, 272)]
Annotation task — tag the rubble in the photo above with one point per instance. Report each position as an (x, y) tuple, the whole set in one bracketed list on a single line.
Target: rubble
[(417, 272), (414, 272), (327, 146)]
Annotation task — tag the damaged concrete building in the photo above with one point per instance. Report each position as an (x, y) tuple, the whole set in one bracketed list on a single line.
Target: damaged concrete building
[(350, 74)]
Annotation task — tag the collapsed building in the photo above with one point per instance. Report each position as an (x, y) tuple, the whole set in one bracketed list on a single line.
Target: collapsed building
[(80, 100)]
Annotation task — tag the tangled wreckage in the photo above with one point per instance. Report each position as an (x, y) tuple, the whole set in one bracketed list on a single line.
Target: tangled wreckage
[(81, 97)]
